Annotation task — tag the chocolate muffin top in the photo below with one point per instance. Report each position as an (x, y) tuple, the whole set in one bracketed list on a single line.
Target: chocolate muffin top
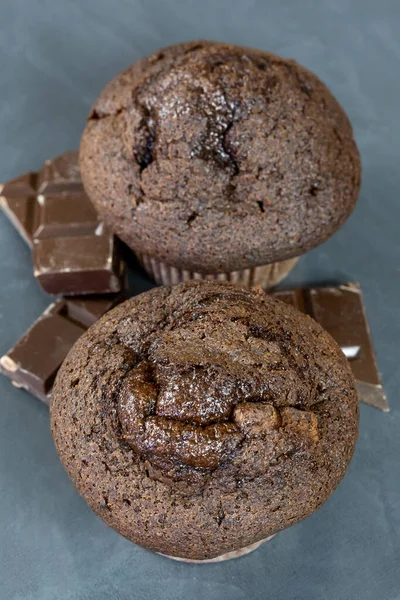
[(200, 418), (213, 158)]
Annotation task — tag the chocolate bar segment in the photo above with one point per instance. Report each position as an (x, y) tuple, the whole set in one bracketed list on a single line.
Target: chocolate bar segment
[(88, 309), (33, 362), (72, 251), (60, 174), (64, 215), (88, 263), (340, 311)]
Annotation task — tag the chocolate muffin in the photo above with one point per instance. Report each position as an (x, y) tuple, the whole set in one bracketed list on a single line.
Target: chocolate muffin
[(209, 158), (201, 418)]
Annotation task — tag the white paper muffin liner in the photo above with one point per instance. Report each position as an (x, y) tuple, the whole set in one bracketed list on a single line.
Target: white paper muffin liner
[(265, 276), (223, 557)]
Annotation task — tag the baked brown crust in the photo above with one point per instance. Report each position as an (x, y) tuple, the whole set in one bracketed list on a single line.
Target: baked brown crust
[(214, 158), (200, 418)]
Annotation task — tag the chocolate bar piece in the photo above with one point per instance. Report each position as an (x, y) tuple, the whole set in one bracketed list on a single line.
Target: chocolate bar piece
[(60, 174), (73, 265), (341, 313), (73, 253), (33, 362), (64, 215)]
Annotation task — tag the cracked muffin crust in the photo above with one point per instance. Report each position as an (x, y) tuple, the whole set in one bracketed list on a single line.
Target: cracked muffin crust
[(214, 158), (201, 418)]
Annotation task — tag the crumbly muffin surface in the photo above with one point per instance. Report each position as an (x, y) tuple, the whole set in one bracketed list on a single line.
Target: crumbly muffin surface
[(213, 158), (198, 419)]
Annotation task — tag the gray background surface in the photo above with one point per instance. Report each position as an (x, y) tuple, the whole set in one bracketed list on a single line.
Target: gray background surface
[(55, 57)]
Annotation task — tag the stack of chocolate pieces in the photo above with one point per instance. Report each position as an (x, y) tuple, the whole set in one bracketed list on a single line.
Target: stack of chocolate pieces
[(75, 256), (72, 251)]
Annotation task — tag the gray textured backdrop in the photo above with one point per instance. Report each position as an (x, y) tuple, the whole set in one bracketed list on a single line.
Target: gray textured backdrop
[(55, 57)]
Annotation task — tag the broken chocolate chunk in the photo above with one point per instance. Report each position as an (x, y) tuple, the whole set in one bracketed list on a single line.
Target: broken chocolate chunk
[(33, 362), (340, 311)]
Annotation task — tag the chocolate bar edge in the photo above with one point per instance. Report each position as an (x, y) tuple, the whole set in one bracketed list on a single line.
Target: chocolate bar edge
[(373, 395), (9, 214), (370, 394)]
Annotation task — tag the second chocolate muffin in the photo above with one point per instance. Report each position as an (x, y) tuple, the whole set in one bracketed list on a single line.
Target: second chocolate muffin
[(198, 419), (209, 158)]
